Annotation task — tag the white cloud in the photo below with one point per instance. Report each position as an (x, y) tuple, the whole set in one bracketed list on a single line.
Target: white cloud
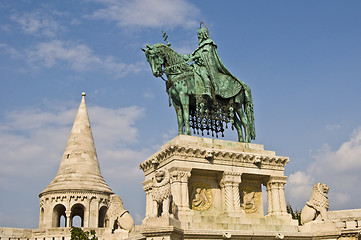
[(37, 23), (339, 169), (79, 57), (111, 125), (298, 188), (346, 158), (32, 141), (8, 50), (148, 13), (332, 127)]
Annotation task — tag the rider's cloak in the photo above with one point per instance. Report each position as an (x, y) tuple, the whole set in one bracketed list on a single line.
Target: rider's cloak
[(225, 84)]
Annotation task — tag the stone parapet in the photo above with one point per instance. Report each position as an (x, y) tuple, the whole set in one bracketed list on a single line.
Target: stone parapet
[(349, 219)]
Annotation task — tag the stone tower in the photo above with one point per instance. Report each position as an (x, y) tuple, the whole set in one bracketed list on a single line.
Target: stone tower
[(78, 189)]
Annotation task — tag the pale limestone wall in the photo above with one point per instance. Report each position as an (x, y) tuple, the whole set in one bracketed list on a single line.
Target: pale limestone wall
[(60, 234), (216, 184), (346, 219), (15, 233), (90, 202)]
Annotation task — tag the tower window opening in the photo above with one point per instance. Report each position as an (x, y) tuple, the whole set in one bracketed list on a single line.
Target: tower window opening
[(59, 216), (102, 216), (77, 215)]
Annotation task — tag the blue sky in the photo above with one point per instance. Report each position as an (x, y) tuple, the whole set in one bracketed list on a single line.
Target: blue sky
[(302, 60)]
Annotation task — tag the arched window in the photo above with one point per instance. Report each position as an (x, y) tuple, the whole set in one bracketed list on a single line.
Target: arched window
[(101, 219), (58, 212), (41, 217), (76, 221), (62, 221), (77, 215)]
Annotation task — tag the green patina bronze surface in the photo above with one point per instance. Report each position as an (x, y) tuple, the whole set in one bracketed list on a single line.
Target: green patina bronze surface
[(205, 95)]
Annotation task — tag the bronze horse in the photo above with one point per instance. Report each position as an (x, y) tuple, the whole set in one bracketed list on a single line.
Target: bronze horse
[(189, 102)]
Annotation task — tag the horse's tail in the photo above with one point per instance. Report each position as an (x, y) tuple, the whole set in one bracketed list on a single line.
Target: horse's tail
[(248, 108)]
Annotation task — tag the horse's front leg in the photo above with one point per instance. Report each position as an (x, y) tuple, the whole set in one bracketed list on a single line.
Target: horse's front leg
[(238, 125), (184, 99), (244, 122), (178, 110)]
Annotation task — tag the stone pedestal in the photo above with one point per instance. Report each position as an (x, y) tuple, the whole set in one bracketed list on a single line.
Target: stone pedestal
[(217, 184)]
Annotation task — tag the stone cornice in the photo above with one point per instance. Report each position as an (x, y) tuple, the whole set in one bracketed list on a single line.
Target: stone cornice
[(215, 155), (74, 191)]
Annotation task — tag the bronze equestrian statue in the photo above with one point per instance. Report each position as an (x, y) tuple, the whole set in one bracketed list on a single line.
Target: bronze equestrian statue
[(205, 95)]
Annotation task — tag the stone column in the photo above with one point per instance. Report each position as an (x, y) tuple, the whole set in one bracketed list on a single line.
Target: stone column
[(149, 208), (176, 187), (230, 190), (184, 176), (87, 211), (236, 194), (49, 218), (94, 204), (281, 192), (276, 196), (68, 213), (179, 186), (269, 199)]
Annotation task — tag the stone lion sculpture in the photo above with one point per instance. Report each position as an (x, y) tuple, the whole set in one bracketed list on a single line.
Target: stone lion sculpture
[(162, 196), (117, 216), (317, 206)]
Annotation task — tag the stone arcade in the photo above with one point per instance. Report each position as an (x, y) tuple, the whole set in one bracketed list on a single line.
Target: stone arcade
[(196, 188)]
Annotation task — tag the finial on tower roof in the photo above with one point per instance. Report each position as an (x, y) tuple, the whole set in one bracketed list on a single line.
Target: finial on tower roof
[(83, 94)]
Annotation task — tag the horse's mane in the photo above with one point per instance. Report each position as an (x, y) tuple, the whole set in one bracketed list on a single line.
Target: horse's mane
[(174, 60)]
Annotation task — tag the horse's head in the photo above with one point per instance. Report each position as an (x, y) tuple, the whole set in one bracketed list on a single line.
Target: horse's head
[(154, 55)]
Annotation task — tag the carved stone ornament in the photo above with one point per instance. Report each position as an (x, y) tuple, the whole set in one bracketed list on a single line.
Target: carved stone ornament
[(117, 215), (250, 200), (318, 204), (161, 186), (201, 197)]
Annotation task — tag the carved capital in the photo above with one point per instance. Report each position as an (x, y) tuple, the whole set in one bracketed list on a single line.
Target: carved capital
[(67, 213), (180, 176), (277, 179), (230, 178), (276, 182), (147, 185)]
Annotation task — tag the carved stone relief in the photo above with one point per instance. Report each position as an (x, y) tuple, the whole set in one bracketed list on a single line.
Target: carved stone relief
[(250, 200), (201, 196)]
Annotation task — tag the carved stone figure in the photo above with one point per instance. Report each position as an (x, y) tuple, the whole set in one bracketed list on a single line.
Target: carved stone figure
[(117, 216), (317, 206), (202, 199), (161, 194), (205, 95), (249, 201)]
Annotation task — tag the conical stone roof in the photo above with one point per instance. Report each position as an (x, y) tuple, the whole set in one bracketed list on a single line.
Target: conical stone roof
[(79, 168)]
